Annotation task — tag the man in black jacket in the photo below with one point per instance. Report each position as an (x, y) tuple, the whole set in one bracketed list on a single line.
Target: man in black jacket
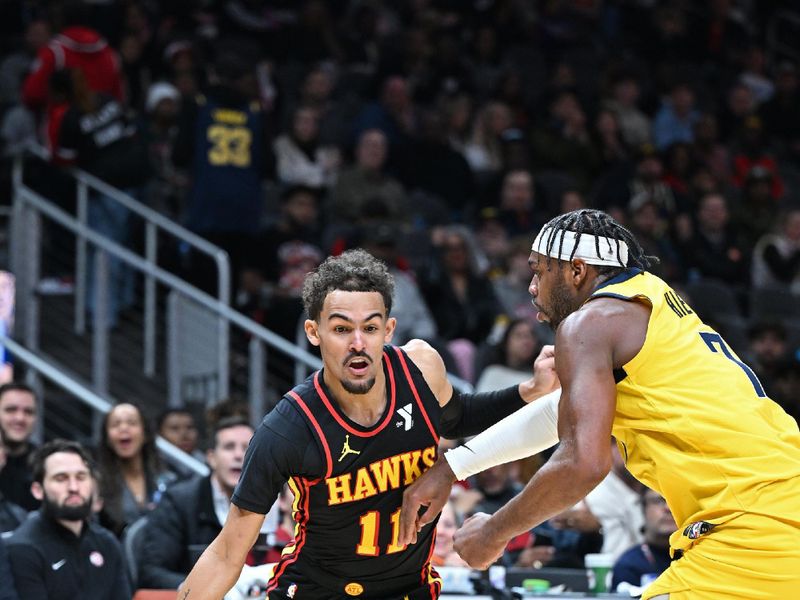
[(191, 513), (58, 553), (11, 515)]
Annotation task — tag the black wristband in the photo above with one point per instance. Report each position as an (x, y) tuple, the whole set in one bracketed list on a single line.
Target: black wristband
[(469, 414)]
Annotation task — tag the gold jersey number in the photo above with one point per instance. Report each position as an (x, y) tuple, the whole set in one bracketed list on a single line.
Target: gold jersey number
[(230, 146)]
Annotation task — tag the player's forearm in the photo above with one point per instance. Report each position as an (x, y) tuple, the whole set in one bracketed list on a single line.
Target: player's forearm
[(529, 430), (215, 572), (562, 482)]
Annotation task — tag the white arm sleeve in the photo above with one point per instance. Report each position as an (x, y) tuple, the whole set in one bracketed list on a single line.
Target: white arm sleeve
[(531, 429)]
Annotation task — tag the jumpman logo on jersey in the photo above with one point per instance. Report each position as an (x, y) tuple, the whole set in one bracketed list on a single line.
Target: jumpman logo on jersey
[(346, 448)]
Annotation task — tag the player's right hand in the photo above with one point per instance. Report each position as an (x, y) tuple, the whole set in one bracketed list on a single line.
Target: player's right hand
[(431, 490)]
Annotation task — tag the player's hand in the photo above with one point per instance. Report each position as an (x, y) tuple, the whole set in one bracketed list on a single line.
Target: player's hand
[(545, 378), (475, 543), (431, 490)]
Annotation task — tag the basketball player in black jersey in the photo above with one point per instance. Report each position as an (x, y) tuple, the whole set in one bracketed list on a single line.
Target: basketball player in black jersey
[(349, 440)]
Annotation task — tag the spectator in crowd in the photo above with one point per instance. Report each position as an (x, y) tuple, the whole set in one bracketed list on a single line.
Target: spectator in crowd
[(769, 351), (519, 211), (11, 515), (513, 357), (755, 212), (609, 146), (652, 231), (676, 118), (60, 553), (80, 47), (18, 409), (132, 479), (15, 67), (178, 427), (642, 563), (7, 590), (300, 157), (366, 181), (714, 250), (460, 295), (620, 187), (786, 387), (222, 140), (98, 136), (443, 553), (484, 151), (414, 319), (167, 187), (634, 124), (191, 513), (782, 123), (776, 257), (740, 105), (752, 157), (432, 166), (707, 149), (393, 114), (565, 143)]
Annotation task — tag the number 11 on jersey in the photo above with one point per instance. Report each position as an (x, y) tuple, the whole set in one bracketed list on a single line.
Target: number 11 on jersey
[(370, 528)]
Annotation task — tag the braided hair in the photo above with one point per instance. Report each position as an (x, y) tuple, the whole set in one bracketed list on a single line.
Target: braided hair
[(597, 223)]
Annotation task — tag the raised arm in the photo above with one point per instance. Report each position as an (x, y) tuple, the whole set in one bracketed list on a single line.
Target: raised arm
[(588, 343)]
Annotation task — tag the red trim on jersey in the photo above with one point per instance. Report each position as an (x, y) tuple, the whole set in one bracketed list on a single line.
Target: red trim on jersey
[(303, 485), (416, 393), (428, 571), (346, 426), (321, 435)]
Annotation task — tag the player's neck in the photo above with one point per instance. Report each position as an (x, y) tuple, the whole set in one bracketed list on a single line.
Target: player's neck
[(364, 409)]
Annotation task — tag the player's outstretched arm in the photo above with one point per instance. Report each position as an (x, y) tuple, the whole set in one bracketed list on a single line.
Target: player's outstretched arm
[(585, 363), (218, 568), (531, 429)]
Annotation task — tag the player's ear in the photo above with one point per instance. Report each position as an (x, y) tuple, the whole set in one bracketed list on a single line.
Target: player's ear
[(391, 324), (37, 491), (312, 331), (578, 271)]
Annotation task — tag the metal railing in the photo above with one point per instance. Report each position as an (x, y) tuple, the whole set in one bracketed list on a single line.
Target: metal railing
[(30, 206), (99, 404), (154, 224)]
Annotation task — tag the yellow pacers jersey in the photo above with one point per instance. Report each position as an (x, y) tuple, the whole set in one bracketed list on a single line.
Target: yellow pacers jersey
[(693, 422)]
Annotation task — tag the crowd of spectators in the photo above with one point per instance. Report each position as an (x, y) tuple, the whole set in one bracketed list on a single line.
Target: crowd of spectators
[(440, 136)]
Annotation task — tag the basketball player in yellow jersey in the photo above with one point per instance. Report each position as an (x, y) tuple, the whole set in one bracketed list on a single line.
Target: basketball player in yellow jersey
[(692, 422)]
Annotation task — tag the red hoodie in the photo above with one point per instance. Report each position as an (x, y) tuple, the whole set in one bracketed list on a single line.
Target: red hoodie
[(75, 47)]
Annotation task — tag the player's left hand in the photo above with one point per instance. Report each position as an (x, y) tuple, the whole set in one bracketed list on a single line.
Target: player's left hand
[(475, 544)]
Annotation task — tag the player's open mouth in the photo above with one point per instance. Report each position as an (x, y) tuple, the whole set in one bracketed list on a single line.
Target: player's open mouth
[(358, 366)]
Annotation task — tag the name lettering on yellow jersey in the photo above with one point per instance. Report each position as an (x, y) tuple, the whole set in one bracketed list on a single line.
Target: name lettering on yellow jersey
[(228, 116), (676, 303), (382, 475)]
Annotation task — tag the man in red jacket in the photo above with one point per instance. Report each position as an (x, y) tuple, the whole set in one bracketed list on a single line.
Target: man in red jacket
[(76, 46)]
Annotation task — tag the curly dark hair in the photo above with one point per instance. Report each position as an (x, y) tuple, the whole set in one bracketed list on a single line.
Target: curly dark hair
[(596, 222), (352, 271)]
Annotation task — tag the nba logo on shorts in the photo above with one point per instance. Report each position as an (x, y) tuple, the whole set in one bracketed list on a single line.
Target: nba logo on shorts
[(292, 590)]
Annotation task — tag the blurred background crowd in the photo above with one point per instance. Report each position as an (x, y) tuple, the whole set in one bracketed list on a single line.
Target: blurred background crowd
[(440, 135)]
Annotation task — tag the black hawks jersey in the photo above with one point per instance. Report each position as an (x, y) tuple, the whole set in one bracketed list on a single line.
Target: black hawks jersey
[(348, 516)]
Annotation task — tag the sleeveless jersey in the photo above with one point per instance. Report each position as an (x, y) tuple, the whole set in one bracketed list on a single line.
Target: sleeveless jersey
[(348, 516), (229, 151), (693, 422)]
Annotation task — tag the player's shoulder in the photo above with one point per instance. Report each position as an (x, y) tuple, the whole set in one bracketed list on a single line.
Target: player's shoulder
[(422, 353)]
